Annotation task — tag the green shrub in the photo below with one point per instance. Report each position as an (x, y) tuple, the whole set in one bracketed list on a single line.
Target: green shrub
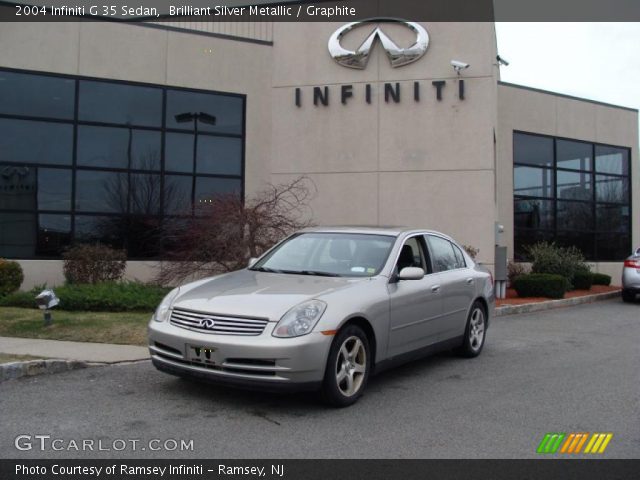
[(550, 258), (93, 264), (99, 297), (600, 279), (515, 269), (19, 299), (541, 285), (11, 277), (582, 280)]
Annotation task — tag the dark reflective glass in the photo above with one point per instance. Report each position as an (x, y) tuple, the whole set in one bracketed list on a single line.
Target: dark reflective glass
[(36, 95), (117, 103), (143, 236), (18, 187), (118, 148), (207, 188), (532, 149), (54, 189), (178, 152), (219, 155), (18, 235), (612, 189), (574, 186), (533, 213), (107, 230), (524, 238), (583, 241), (612, 160), (613, 246), (54, 234), (612, 218), (575, 215), (532, 181), (227, 111), (177, 194), (27, 141), (101, 191), (574, 155), (144, 193)]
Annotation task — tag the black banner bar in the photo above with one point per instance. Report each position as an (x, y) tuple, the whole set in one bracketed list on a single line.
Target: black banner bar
[(183, 469)]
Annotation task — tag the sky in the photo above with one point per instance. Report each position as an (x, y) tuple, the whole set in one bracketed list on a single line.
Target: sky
[(598, 61)]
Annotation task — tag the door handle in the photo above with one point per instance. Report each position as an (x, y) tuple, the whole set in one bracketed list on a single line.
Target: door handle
[(435, 289), (469, 280)]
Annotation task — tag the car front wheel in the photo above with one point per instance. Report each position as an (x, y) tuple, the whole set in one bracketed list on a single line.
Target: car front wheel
[(474, 334), (348, 367)]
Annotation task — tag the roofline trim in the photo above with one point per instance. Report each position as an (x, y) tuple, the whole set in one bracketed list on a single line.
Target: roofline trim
[(563, 95)]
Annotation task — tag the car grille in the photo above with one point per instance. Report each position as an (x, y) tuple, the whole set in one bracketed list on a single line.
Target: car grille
[(209, 323)]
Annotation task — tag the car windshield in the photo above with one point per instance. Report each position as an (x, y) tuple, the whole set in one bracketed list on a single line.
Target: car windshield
[(329, 254)]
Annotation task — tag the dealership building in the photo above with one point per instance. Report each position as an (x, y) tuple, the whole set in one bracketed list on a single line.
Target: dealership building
[(106, 131)]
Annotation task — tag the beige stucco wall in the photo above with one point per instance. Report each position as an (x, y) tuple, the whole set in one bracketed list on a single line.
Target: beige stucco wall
[(427, 164), (551, 114)]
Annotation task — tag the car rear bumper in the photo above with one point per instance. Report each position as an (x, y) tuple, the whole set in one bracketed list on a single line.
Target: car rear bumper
[(631, 279), (260, 361)]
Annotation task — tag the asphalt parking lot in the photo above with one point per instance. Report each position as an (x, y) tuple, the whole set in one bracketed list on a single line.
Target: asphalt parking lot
[(566, 370)]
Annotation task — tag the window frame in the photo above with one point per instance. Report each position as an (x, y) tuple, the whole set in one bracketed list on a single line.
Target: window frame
[(74, 168)]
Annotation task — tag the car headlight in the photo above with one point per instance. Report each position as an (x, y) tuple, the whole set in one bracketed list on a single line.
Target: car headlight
[(300, 320), (162, 312)]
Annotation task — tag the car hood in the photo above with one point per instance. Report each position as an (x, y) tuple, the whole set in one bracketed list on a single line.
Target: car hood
[(257, 294)]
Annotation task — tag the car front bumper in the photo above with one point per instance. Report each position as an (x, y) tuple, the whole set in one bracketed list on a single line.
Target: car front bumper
[(260, 361)]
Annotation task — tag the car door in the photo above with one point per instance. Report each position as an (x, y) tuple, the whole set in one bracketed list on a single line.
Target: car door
[(457, 288), (414, 305)]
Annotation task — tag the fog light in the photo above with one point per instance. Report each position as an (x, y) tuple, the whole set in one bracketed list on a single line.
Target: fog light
[(46, 300)]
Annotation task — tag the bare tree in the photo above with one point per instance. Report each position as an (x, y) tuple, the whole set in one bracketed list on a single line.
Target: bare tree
[(225, 231)]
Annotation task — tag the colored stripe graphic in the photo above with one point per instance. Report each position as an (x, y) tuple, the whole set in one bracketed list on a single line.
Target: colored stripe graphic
[(550, 442), (568, 443)]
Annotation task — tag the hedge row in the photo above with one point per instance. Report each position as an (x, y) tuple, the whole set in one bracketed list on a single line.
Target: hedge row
[(541, 285), (99, 297)]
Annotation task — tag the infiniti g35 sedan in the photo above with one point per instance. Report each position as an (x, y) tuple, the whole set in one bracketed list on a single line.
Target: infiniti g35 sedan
[(324, 309)]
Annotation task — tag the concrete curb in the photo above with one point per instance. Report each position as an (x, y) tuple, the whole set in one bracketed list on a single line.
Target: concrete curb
[(9, 371), (563, 302)]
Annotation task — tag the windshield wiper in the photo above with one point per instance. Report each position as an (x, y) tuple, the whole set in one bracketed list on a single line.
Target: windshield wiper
[(319, 274), (265, 269)]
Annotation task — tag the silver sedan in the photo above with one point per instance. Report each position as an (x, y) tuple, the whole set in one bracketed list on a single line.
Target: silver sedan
[(631, 277), (324, 309)]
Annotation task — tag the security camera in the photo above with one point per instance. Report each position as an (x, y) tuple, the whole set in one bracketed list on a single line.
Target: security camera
[(458, 65), (502, 61)]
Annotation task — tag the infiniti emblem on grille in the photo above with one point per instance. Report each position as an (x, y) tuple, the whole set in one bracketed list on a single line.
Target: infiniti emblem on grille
[(207, 323)]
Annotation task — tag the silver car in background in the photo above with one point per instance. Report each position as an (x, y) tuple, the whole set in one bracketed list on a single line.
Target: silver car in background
[(324, 309), (631, 277)]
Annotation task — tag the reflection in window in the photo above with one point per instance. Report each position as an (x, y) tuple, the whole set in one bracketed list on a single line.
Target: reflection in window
[(227, 110), (219, 155), (177, 194), (36, 95), (18, 234), (54, 234), (589, 207), (101, 191), (532, 182), (54, 189), (118, 103), (533, 149), (178, 152), (574, 155), (144, 195), (26, 141), (118, 148), (208, 187), (18, 187)]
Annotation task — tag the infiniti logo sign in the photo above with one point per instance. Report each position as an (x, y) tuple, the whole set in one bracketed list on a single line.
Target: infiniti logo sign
[(360, 57), (207, 323)]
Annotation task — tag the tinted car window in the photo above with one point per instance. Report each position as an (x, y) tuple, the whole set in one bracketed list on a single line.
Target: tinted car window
[(460, 262), (442, 254)]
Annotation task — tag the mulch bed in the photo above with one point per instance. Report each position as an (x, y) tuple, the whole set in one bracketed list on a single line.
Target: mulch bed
[(513, 299)]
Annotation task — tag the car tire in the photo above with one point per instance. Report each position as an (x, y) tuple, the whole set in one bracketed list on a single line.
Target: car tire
[(628, 296), (348, 367), (475, 332)]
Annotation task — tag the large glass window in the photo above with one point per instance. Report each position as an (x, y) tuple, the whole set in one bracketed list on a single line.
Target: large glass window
[(562, 194), (87, 160)]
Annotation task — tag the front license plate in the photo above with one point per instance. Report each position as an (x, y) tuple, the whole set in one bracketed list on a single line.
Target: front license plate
[(201, 354)]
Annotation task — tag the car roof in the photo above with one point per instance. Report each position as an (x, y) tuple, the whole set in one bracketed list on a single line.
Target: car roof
[(370, 230)]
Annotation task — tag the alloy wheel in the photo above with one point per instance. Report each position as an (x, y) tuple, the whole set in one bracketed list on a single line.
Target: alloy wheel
[(351, 366), (476, 329)]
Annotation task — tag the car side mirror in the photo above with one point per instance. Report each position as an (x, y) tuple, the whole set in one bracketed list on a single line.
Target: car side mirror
[(252, 262), (411, 273)]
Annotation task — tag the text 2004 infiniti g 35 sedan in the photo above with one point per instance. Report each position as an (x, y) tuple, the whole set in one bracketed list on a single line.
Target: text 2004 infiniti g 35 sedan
[(324, 309)]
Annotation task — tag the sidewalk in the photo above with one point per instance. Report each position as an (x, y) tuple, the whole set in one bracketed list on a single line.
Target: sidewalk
[(76, 351)]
